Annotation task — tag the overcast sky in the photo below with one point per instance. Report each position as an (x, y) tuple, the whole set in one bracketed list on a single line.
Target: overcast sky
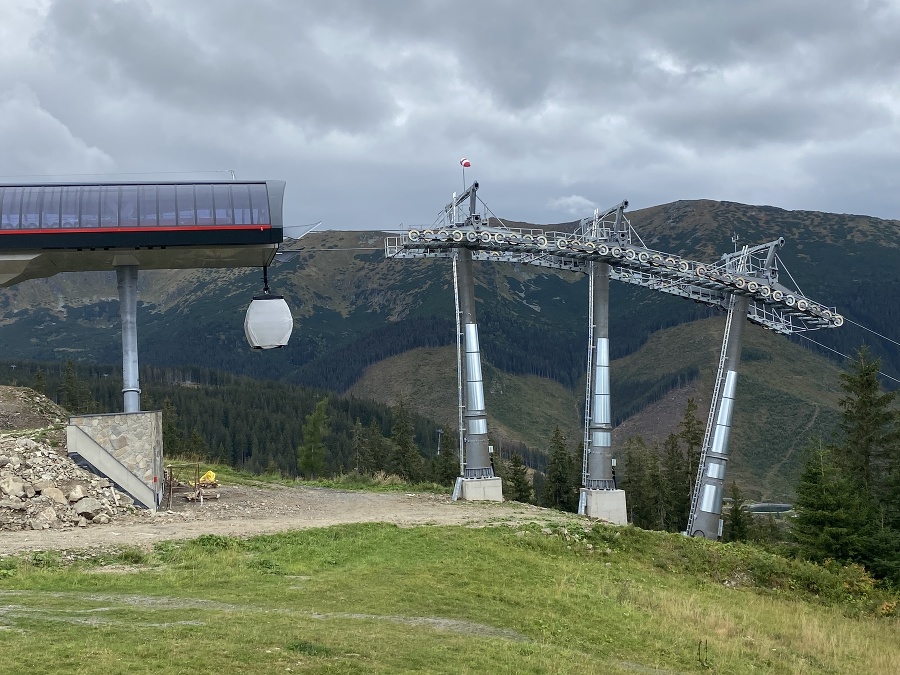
[(366, 107)]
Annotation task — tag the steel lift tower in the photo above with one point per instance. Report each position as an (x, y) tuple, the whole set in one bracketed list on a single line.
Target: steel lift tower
[(477, 480), (744, 284), (599, 497)]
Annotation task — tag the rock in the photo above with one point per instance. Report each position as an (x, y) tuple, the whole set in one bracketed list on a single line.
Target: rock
[(44, 519), (546, 530), (12, 486), (520, 533), (55, 495), (76, 494), (13, 504), (43, 484), (88, 507)]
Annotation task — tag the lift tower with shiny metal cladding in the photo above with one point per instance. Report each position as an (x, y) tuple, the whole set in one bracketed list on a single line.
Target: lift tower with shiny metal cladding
[(599, 497), (477, 481), (744, 283), (748, 266)]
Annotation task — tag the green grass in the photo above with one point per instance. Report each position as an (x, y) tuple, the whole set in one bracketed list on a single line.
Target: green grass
[(377, 598), (380, 482), (426, 378)]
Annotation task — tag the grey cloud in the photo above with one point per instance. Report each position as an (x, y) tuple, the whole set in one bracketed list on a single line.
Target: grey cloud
[(129, 46), (365, 107)]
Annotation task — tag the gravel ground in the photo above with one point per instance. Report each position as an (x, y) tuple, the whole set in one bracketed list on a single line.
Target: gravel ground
[(241, 510), (246, 511)]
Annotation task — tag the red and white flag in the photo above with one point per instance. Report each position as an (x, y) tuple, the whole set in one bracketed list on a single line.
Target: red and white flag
[(464, 163)]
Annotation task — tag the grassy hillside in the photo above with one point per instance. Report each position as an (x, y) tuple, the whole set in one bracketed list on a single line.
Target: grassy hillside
[(785, 395), (522, 408), (381, 599)]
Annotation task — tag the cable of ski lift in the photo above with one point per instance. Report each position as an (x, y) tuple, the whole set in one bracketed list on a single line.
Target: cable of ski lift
[(846, 356)]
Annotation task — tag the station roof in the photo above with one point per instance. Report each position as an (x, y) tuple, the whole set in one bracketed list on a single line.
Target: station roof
[(73, 227)]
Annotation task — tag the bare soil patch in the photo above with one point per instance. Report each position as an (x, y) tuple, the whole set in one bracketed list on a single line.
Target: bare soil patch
[(23, 408)]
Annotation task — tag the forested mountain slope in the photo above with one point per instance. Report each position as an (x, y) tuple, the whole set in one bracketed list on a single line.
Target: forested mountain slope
[(362, 320)]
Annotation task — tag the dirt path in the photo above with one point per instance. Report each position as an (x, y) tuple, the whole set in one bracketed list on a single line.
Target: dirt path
[(247, 511), (776, 468)]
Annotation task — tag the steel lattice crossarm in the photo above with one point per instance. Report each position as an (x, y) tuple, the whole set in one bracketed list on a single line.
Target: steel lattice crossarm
[(608, 237)]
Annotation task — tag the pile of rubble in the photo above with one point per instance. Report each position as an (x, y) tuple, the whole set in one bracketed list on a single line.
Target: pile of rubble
[(41, 488)]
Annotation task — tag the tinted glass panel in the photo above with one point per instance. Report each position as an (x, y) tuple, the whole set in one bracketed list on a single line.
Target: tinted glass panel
[(50, 209), (167, 212), (147, 207), (240, 200), (31, 207), (259, 200), (109, 207), (90, 206), (186, 205), (70, 201), (203, 194), (12, 202), (222, 197), (128, 206)]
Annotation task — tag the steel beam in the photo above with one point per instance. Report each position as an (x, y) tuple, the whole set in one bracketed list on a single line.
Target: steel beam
[(126, 277)]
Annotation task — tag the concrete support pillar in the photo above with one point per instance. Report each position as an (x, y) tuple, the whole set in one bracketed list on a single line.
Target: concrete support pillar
[(477, 456), (126, 276), (707, 519)]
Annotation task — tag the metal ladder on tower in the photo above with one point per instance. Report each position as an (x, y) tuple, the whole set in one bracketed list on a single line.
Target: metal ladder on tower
[(714, 406), (590, 377), (711, 421), (588, 397)]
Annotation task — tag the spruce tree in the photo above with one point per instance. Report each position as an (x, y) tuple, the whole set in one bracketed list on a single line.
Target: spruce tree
[(869, 456), (195, 447), (77, 397), (406, 461), (374, 451), (39, 382), (738, 521), (641, 483), (446, 464), (832, 516), (560, 490), (312, 452), (173, 444), (358, 445), (520, 485), (869, 424), (690, 431), (675, 493)]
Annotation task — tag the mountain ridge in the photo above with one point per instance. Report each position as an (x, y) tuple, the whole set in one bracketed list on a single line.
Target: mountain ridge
[(355, 311)]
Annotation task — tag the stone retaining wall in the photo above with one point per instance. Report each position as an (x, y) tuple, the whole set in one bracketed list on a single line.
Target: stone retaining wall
[(134, 439)]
